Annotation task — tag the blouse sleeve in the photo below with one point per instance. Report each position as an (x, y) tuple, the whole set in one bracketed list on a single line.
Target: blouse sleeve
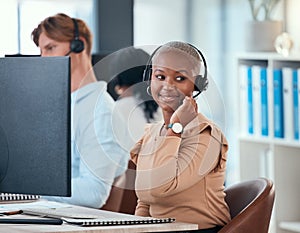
[(135, 151), (142, 209)]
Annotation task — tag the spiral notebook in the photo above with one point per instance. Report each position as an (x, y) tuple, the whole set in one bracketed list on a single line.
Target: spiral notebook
[(12, 197), (117, 221)]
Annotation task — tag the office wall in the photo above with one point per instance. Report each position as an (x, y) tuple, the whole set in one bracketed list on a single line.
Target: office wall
[(8, 14), (159, 21), (113, 25)]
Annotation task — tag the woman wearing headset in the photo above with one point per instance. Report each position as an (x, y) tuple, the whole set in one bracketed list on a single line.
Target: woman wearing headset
[(97, 157), (181, 162)]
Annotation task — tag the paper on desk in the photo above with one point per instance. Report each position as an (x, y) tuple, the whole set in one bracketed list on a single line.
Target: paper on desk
[(36, 204)]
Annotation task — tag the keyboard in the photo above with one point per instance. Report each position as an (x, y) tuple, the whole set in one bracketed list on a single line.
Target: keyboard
[(62, 212)]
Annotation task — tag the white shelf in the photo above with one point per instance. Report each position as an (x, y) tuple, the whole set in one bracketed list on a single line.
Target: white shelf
[(272, 141), (290, 226), (268, 156), (268, 56)]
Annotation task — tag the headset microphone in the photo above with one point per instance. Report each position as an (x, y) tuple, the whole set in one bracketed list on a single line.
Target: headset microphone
[(68, 53)]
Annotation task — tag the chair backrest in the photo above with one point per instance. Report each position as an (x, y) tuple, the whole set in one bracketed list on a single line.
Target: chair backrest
[(250, 203), (129, 200), (114, 200), (122, 197)]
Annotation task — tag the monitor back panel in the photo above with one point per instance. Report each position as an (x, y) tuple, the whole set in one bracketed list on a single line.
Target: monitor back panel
[(35, 155)]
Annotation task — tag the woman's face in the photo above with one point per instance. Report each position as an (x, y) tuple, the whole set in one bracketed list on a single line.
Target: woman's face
[(50, 47), (173, 78)]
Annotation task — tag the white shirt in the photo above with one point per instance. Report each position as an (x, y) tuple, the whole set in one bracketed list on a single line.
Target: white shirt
[(97, 156), (135, 120)]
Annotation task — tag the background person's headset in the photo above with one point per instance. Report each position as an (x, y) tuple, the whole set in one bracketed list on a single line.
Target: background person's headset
[(201, 81), (76, 45)]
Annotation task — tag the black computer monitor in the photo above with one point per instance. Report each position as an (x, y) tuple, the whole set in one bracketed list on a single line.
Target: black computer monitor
[(22, 55), (35, 151)]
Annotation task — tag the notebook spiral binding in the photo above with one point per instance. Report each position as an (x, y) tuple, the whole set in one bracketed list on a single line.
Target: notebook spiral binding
[(100, 222), (6, 197)]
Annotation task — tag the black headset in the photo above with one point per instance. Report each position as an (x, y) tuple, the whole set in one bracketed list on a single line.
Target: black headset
[(76, 45), (201, 81)]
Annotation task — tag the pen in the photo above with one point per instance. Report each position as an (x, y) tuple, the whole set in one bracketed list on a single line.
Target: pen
[(12, 212), (49, 221)]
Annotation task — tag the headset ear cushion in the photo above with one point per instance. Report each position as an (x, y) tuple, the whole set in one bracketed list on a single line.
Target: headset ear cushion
[(77, 46), (201, 83)]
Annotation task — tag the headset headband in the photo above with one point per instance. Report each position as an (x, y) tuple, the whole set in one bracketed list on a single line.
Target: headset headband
[(76, 31), (201, 81), (77, 45)]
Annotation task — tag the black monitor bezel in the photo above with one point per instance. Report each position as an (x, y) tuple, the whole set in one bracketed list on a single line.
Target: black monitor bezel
[(37, 92)]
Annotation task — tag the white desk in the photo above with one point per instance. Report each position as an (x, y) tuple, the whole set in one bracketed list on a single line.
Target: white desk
[(6, 228), (65, 227)]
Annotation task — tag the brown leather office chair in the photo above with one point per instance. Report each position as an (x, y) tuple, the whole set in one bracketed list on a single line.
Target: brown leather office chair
[(129, 200), (114, 200), (251, 203), (122, 196)]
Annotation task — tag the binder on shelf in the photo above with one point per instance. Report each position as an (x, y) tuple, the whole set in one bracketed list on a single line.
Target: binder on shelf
[(250, 101), (270, 84), (278, 103), (264, 101), (256, 100), (298, 75), (288, 125), (295, 104), (243, 98)]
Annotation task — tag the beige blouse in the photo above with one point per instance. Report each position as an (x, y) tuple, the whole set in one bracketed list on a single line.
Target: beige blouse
[(182, 178)]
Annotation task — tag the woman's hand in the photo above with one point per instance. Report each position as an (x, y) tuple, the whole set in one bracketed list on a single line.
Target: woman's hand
[(186, 112)]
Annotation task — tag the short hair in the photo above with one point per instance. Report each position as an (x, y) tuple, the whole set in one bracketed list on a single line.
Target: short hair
[(60, 27), (186, 49)]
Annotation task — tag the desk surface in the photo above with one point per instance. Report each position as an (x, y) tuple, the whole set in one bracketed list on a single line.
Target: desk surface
[(5, 228), (65, 227)]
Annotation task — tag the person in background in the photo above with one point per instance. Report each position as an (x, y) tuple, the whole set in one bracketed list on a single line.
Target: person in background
[(181, 162), (128, 89), (97, 157)]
